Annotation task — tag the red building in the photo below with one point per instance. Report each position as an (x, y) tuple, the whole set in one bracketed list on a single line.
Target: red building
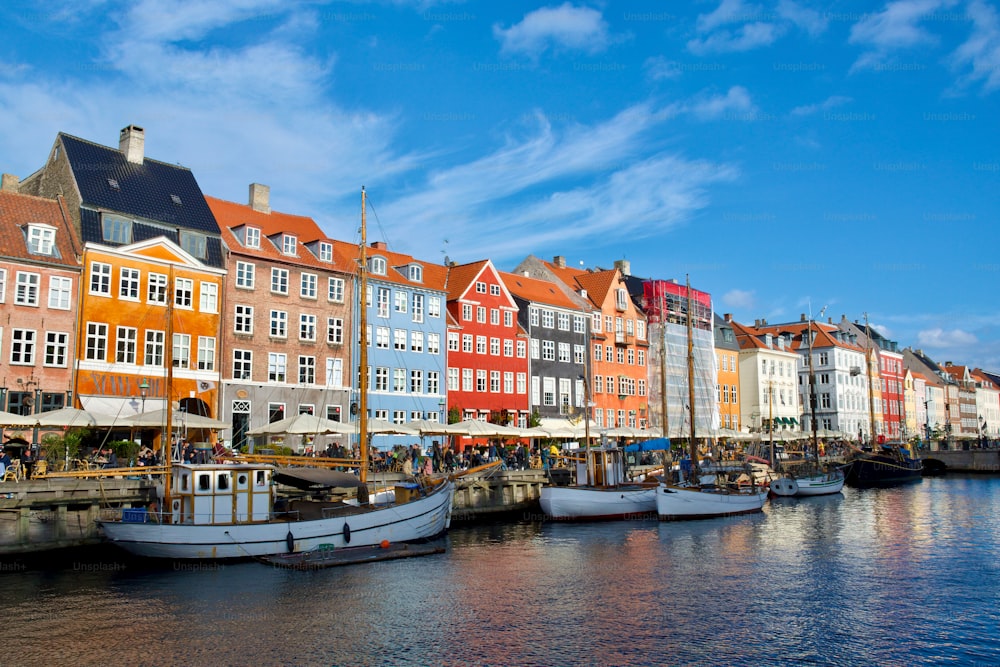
[(487, 360)]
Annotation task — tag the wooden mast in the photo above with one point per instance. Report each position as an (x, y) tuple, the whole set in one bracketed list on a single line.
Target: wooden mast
[(167, 450), (693, 446), (664, 422), (363, 354), (871, 387)]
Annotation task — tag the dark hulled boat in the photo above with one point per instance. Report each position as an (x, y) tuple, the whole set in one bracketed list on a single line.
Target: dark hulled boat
[(891, 466)]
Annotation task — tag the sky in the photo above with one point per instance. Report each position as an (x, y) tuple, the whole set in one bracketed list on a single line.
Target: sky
[(790, 157)]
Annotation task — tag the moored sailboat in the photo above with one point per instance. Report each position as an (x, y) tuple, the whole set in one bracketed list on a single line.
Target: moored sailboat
[(226, 510), (607, 496)]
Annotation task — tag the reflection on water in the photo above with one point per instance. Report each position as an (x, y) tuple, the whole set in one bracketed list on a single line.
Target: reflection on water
[(895, 576)]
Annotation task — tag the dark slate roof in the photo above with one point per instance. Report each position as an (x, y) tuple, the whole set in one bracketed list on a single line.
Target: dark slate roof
[(720, 340), (144, 190), (91, 232)]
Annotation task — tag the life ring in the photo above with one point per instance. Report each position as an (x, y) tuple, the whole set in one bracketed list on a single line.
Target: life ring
[(290, 542), (784, 486), (347, 533)]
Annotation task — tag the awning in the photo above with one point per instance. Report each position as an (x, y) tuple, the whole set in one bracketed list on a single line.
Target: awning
[(315, 478)]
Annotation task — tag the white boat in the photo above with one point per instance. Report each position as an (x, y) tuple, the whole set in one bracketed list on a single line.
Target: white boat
[(816, 484), (607, 496), (228, 510)]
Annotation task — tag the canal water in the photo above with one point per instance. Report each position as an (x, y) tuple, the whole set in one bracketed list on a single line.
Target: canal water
[(906, 576)]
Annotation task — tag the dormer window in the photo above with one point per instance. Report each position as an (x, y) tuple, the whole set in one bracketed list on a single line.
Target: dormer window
[(325, 251), (621, 298), (252, 237), (377, 265), (113, 184), (289, 244), (415, 273), (193, 243), (41, 239), (175, 199), (116, 229)]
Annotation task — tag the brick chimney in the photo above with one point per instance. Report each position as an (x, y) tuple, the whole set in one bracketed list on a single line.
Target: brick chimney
[(260, 198), (9, 183), (559, 261), (379, 245), (132, 143)]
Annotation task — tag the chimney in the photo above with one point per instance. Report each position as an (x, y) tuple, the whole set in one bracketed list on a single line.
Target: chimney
[(379, 245), (829, 320), (132, 143), (559, 261), (526, 274), (260, 197), (802, 317), (728, 317), (624, 266), (10, 183)]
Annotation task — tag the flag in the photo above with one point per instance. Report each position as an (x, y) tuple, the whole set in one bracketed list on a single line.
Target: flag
[(205, 385)]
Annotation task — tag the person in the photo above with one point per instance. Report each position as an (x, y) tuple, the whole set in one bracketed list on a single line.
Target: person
[(4, 461), (27, 462), (110, 458), (428, 465)]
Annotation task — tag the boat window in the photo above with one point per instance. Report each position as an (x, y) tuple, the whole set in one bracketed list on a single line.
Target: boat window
[(223, 482), (204, 482), (241, 479), (184, 482), (260, 478)]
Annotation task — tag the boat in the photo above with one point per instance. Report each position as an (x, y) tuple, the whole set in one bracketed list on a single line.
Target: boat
[(601, 491), (893, 463), (230, 510), (705, 497), (326, 555), (810, 478)]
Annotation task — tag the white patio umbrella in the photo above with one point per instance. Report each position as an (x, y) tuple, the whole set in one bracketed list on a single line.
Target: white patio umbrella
[(12, 419), (70, 417), (382, 427), (479, 429), (302, 424), (178, 418)]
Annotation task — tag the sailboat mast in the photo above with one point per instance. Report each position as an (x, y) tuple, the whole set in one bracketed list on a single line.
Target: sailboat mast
[(693, 446), (812, 389), (871, 387), (664, 422), (363, 354), (167, 450)]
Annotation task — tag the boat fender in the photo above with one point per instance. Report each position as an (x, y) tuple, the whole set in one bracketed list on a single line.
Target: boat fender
[(290, 542), (347, 533), (784, 486)]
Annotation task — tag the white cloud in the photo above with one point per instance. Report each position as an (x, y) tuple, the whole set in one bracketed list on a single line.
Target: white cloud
[(564, 27), (941, 338), (736, 100), (747, 37), (805, 18), (981, 52), (659, 68), (829, 103), (735, 26), (894, 28), (738, 298), (728, 11)]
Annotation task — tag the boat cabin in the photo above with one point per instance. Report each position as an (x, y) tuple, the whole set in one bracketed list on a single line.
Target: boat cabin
[(215, 493), (607, 464)]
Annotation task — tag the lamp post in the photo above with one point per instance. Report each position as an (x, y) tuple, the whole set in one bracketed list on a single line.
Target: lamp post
[(143, 391)]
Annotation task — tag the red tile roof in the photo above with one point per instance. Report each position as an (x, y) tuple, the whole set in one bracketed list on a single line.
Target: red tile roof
[(461, 277), (17, 210), (537, 291)]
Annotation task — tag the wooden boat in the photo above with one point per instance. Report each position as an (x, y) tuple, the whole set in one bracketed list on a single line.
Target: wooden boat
[(608, 496), (718, 496), (818, 483), (227, 510), (326, 556)]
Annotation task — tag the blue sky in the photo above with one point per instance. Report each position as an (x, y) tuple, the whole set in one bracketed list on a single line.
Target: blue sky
[(787, 155)]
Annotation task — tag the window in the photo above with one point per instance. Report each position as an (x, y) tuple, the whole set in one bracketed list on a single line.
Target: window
[(399, 339), (508, 382), (335, 290), (334, 330), (60, 292), (182, 351), (382, 301), (3, 285), (548, 319), (208, 297), (128, 284), (41, 239), (242, 364), (466, 379), (253, 237), (433, 382), (466, 342), (398, 416), (100, 278), (307, 370), (279, 281), (125, 341), (452, 379), (154, 347), (381, 379), (480, 380), (579, 324), (156, 288), (206, 353), (579, 354), (641, 358), (548, 350), (416, 341), (494, 316), (382, 337), (434, 306), (245, 273), (183, 292), (399, 380), (279, 324), (433, 343), (467, 312), (116, 229), (508, 318), (564, 352), (598, 384), (495, 382), (415, 273), (522, 349), (481, 287), (824, 358), (495, 347), (193, 243), (22, 346), (533, 316), (824, 400), (621, 298), (96, 347), (26, 288), (335, 374), (534, 348), (640, 330), (309, 285), (56, 348), (480, 344), (548, 391), (495, 290), (400, 301), (325, 251), (307, 327), (418, 307), (508, 347), (377, 265), (563, 319), (243, 321), (276, 366), (452, 341), (595, 322)]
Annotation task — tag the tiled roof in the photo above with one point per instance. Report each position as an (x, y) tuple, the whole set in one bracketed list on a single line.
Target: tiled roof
[(153, 190), (824, 335), (537, 291), (231, 216), (435, 276), (17, 210), (91, 232), (461, 277), (597, 283)]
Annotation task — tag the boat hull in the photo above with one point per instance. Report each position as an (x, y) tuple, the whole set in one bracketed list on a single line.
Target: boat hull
[(681, 504), (880, 470), (582, 503), (809, 485), (422, 518)]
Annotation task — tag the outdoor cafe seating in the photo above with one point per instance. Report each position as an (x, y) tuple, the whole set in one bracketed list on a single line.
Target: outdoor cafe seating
[(12, 473)]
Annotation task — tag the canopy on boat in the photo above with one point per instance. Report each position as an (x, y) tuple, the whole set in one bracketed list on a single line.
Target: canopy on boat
[(315, 478), (654, 445)]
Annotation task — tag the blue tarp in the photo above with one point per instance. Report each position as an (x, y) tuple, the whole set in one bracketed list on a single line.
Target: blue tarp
[(654, 445)]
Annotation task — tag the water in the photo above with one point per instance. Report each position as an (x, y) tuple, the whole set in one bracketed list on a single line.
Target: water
[(905, 576)]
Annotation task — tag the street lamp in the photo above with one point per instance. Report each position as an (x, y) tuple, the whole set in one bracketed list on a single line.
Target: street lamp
[(143, 390)]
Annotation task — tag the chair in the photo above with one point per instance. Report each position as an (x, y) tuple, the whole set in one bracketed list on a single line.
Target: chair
[(13, 472), (40, 469)]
